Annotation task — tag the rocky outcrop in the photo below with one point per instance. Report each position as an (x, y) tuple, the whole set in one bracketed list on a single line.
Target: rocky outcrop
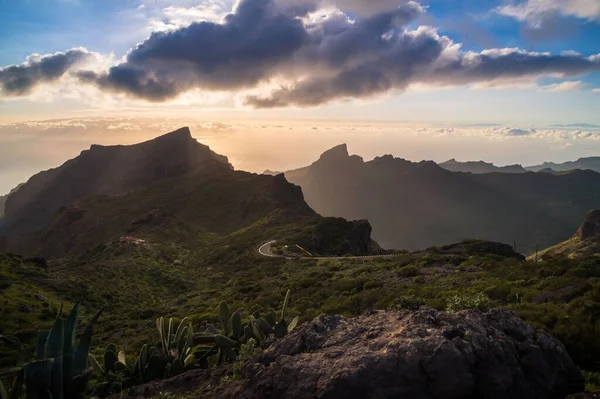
[(591, 226), (416, 355), (423, 354), (481, 247)]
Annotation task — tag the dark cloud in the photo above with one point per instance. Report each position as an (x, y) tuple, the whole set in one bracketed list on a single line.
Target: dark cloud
[(323, 56), (16, 80), (244, 50), (424, 57)]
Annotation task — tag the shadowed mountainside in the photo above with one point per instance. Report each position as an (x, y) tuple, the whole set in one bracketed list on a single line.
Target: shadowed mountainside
[(418, 205), (3, 198), (105, 170)]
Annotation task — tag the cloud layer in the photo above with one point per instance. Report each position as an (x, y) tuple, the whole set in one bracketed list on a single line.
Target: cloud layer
[(17, 80), (538, 12), (306, 53)]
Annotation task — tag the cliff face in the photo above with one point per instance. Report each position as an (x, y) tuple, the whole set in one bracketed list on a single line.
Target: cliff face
[(105, 170), (591, 226)]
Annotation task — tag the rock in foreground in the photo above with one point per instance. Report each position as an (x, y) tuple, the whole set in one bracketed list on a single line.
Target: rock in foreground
[(423, 354)]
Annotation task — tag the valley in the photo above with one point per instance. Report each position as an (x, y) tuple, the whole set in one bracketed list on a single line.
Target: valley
[(176, 239)]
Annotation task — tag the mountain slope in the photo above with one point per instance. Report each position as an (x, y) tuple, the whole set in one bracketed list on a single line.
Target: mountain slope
[(417, 205), (591, 163), (480, 167), (179, 237), (105, 170), (585, 242)]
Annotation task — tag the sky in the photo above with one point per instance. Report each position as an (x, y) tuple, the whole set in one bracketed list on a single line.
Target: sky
[(406, 68)]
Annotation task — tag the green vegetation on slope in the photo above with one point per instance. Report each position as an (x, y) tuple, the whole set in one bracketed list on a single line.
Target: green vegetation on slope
[(559, 294)]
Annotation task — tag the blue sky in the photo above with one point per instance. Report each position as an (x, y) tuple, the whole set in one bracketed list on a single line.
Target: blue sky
[(111, 28)]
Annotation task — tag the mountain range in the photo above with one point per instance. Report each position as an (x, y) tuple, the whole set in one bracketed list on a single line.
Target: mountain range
[(169, 186), (419, 205), (480, 167), (590, 163)]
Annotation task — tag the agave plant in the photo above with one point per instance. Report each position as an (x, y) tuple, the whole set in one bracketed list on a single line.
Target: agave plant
[(60, 370)]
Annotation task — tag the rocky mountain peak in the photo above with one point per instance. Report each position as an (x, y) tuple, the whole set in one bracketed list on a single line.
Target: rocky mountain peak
[(591, 226), (107, 170), (337, 152)]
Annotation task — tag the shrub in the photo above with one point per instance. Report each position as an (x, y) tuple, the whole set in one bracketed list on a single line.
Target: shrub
[(469, 300), (408, 271)]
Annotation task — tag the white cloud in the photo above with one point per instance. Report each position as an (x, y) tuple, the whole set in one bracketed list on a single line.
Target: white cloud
[(564, 86), (536, 12)]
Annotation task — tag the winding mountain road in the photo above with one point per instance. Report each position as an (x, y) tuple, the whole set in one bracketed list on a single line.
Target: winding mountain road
[(265, 250)]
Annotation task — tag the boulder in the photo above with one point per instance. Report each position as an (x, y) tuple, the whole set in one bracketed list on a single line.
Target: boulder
[(422, 354), (419, 354)]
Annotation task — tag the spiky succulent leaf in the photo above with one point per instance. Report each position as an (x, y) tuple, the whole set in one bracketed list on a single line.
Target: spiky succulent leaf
[(94, 364), (179, 332), (54, 342), (286, 301), (57, 384), (17, 386), (3, 393), (169, 336), (71, 330), (38, 376), (42, 337), (189, 360), (161, 333), (80, 359), (143, 356)]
